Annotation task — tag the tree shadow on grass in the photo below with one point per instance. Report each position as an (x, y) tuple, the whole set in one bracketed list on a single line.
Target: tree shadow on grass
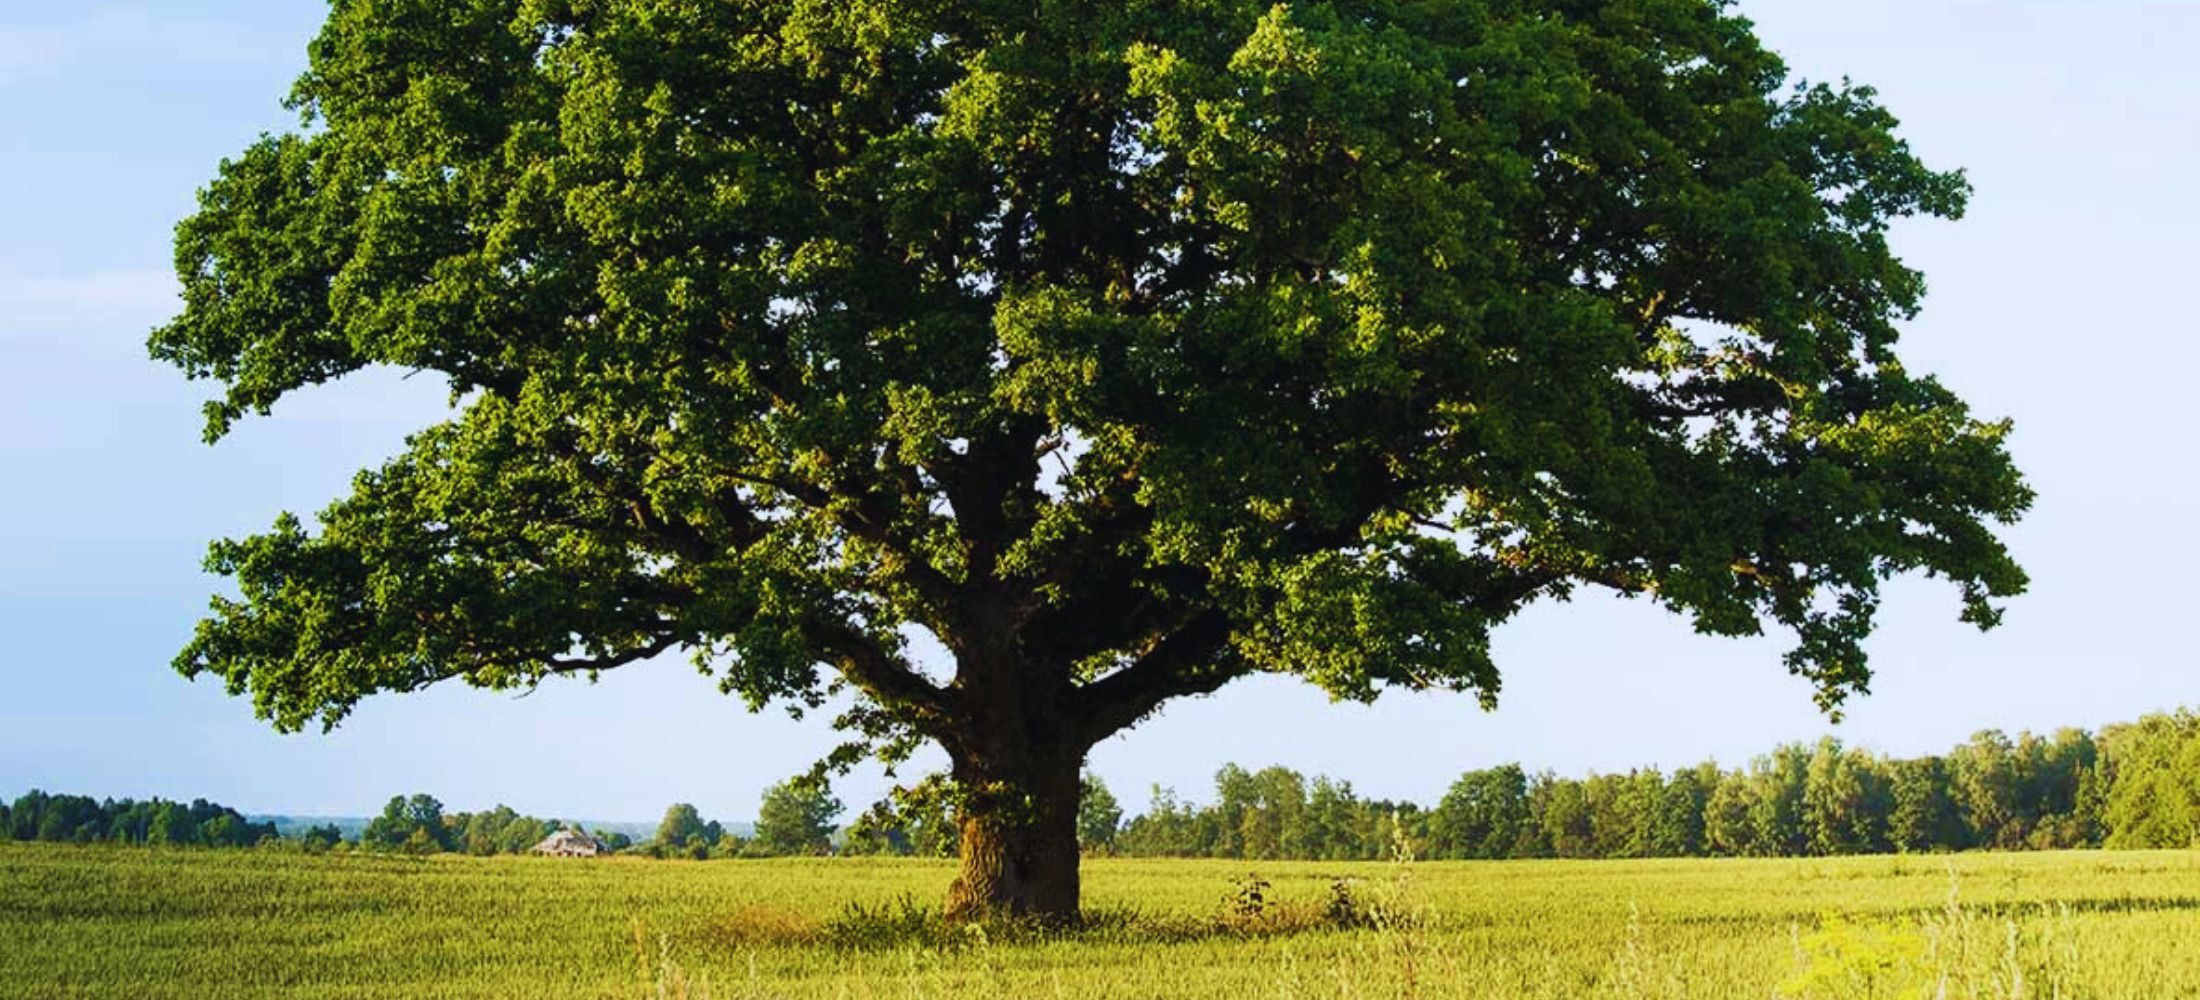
[(1245, 912)]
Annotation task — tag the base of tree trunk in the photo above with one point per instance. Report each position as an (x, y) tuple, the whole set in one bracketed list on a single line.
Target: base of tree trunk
[(1019, 863)]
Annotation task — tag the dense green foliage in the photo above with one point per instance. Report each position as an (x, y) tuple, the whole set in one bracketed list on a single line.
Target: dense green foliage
[(78, 819), (797, 817), (416, 824), (917, 819), (98, 923), (683, 833), (1348, 827), (1099, 816), (1125, 349), (1272, 813), (2148, 791)]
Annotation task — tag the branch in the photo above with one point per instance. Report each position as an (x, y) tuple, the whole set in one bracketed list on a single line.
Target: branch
[(810, 496), (589, 665), (992, 486), (869, 518), (1191, 660), (1707, 404), (885, 677)]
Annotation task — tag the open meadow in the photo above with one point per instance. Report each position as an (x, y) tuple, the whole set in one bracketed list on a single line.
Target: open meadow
[(121, 922)]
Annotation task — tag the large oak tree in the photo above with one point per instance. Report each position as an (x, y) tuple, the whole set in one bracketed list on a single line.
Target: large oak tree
[(1126, 348)]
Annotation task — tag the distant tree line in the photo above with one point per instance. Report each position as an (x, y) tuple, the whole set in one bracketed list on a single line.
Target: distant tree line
[(2133, 785), (79, 819), (417, 824), (921, 821), (795, 819), (1271, 813)]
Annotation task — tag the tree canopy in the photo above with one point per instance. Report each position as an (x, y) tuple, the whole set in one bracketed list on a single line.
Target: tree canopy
[(1124, 348), (797, 816)]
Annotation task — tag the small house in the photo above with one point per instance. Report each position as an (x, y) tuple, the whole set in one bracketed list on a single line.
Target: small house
[(571, 844)]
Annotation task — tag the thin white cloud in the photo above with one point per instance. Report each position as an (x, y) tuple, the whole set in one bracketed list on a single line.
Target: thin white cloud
[(114, 39), (70, 336), (25, 52), (120, 305)]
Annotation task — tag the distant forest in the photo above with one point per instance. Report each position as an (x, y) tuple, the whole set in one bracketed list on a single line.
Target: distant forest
[(2134, 785), (82, 820)]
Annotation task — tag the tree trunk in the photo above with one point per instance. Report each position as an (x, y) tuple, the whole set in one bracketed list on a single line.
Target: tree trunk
[(1019, 837)]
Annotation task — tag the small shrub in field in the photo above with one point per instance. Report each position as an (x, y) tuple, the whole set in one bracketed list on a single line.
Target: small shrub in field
[(905, 922), (1956, 953), (1345, 910), (1247, 901), (760, 925), (663, 978), (1851, 960), (899, 923)]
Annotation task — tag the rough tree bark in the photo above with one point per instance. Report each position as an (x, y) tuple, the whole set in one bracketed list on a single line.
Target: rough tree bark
[(1018, 759), (1019, 838)]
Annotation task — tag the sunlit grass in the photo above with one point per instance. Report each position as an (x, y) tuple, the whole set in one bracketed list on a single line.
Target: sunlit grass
[(78, 921)]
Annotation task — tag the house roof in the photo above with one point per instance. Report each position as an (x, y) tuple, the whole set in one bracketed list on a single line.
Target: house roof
[(568, 839)]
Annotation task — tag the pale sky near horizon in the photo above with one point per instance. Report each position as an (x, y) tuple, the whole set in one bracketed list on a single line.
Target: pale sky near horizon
[(2063, 301)]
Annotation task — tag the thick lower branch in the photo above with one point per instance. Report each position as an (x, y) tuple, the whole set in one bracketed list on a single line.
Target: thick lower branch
[(1194, 659), (887, 678), (589, 665)]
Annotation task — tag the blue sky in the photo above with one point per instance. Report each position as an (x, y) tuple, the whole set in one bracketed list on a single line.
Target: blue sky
[(2064, 301)]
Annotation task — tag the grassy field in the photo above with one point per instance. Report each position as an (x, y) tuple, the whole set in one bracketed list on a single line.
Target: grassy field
[(121, 922)]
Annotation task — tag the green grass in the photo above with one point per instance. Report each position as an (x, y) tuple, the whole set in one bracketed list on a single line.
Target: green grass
[(121, 922)]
